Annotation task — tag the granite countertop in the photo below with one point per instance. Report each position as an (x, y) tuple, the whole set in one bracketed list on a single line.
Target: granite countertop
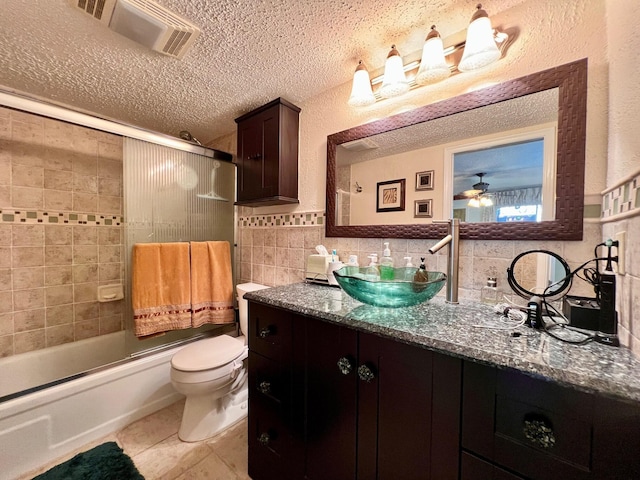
[(471, 331)]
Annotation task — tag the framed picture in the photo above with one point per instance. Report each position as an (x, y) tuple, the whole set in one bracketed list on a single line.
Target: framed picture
[(390, 196), (423, 208), (424, 180)]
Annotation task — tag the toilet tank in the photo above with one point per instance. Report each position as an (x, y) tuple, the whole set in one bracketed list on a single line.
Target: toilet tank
[(243, 306)]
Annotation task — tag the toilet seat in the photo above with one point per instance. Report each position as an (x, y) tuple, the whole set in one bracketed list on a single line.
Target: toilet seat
[(208, 360)]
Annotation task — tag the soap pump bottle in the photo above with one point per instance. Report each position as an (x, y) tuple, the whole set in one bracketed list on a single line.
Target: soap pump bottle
[(409, 269), (386, 264), (372, 272), (421, 275), (490, 294)]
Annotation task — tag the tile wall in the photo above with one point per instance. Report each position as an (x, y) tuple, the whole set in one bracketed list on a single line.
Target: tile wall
[(61, 231)]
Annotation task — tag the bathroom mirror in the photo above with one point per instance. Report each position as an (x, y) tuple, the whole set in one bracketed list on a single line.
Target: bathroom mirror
[(566, 83), (539, 273)]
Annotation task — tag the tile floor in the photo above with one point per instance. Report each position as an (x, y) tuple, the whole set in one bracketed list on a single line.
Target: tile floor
[(152, 442)]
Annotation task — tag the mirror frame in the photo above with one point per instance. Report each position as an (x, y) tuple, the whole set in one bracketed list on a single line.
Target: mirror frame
[(571, 80)]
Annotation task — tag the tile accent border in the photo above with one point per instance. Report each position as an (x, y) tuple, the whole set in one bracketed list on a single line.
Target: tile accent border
[(299, 219), (623, 198), (59, 218)]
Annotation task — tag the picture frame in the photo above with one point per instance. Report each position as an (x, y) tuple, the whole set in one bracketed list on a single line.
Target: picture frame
[(423, 208), (390, 196), (424, 180)]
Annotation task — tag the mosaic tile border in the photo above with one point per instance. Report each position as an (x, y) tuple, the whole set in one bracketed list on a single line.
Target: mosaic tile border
[(623, 199), (300, 219), (58, 218)]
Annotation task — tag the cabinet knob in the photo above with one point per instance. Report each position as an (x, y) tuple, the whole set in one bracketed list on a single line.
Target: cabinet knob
[(345, 366), (257, 156), (265, 332), (539, 431), (264, 387), (365, 373), (264, 439)]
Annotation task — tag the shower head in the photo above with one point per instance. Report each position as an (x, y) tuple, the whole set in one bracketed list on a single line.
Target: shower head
[(185, 135)]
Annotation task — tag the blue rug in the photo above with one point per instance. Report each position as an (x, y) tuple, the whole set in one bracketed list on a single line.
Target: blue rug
[(104, 462)]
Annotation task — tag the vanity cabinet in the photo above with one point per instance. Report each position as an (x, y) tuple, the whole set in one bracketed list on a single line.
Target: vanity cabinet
[(540, 430), (377, 408), (341, 404), (267, 155)]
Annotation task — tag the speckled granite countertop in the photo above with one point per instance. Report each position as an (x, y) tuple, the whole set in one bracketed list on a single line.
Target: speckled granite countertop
[(460, 330)]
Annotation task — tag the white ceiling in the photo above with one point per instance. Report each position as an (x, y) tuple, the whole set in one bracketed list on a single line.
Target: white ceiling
[(249, 52)]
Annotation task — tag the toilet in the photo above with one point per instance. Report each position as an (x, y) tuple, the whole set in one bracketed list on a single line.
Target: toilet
[(211, 374)]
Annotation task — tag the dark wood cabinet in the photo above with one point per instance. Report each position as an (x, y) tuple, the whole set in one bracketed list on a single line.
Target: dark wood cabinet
[(541, 430), (267, 155), (359, 407)]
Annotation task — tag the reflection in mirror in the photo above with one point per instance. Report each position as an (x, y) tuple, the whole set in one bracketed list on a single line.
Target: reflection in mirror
[(539, 272), (542, 116)]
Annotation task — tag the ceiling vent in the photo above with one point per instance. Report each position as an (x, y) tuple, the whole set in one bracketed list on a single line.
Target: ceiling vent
[(144, 22)]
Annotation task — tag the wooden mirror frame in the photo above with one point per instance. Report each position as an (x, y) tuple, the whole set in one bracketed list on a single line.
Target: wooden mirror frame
[(571, 80)]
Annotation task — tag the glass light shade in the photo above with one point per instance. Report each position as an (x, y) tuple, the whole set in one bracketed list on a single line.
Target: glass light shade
[(474, 202), (480, 48), (361, 93), (433, 67), (394, 82), (486, 202)]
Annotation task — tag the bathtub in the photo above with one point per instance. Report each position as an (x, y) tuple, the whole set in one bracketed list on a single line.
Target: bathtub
[(39, 427)]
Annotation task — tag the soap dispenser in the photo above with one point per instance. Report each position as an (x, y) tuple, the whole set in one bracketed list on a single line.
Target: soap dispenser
[(372, 272), (490, 294), (386, 264), (421, 275), (409, 269)]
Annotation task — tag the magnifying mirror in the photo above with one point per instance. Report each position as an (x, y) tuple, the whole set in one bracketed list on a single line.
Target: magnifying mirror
[(539, 273)]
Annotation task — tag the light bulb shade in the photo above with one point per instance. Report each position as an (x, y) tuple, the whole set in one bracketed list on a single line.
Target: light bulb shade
[(394, 82), (486, 202), (433, 67), (480, 48), (361, 93), (474, 202)]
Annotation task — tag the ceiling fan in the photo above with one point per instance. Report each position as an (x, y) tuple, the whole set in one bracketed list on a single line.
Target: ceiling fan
[(479, 189)]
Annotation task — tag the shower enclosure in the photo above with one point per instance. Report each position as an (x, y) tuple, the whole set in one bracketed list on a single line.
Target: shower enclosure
[(76, 192)]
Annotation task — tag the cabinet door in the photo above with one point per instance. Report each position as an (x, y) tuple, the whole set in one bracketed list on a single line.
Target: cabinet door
[(408, 419), (331, 401), (258, 155)]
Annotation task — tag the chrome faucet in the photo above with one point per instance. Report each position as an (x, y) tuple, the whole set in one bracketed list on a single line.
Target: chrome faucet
[(453, 240)]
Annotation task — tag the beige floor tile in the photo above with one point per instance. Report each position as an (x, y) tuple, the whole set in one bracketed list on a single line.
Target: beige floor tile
[(170, 458), (148, 431), (210, 468), (231, 447)]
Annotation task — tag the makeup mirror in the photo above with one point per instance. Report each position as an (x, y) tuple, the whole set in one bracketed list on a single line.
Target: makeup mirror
[(539, 273)]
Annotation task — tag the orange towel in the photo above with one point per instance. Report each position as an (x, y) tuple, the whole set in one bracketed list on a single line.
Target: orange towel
[(211, 283), (161, 290)]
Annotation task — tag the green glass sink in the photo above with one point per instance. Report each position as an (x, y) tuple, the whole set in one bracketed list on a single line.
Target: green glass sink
[(402, 291)]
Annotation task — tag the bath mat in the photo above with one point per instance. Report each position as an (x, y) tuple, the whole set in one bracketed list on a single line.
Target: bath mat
[(104, 462)]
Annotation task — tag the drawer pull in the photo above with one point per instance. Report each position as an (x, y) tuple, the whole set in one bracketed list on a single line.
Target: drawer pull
[(365, 373), (264, 439), (264, 387), (345, 366), (539, 431), (265, 332)]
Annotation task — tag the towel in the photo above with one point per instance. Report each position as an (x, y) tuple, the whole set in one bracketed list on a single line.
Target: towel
[(211, 283), (161, 290)]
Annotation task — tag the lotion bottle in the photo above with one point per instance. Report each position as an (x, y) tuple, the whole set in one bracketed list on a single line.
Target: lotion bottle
[(421, 275), (372, 272), (409, 269), (490, 294), (386, 264)]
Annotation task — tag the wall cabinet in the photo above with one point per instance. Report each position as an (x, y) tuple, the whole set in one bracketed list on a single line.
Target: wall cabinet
[(541, 430), (267, 155), (347, 405)]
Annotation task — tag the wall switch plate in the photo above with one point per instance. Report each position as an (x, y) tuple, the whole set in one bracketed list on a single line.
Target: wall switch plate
[(621, 237)]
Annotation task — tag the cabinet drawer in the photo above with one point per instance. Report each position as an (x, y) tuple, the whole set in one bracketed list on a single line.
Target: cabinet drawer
[(536, 428), (268, 379), (270, 331), (269, 443)]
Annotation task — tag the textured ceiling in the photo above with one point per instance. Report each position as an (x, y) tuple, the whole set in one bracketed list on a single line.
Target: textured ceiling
[(249, 53)]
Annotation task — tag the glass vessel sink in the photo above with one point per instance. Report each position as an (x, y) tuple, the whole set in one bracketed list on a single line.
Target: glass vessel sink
[(402, 291)]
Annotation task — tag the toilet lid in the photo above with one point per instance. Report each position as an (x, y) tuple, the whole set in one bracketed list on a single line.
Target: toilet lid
[(207, 354)]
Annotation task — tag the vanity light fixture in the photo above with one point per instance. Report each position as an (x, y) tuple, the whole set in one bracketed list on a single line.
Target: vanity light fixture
[(361, 93), (480, 48), (433, 66), (483, 45), (394, 82)]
